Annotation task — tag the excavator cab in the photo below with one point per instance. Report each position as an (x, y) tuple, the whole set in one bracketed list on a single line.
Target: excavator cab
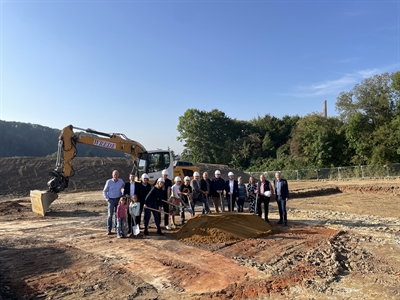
[(154, 162)]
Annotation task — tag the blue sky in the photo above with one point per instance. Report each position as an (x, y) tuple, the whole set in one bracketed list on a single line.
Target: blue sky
[(134, 67)]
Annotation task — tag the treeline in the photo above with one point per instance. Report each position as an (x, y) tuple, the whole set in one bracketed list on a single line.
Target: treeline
[(366, 131), (25, 139)]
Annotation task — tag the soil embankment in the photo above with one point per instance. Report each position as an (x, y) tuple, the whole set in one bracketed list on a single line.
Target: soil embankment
[(19, 175)]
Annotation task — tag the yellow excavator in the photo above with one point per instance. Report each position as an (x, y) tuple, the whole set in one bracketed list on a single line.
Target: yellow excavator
[(150, 162)]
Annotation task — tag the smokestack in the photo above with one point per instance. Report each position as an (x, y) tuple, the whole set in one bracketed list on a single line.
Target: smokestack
[(325, 109)]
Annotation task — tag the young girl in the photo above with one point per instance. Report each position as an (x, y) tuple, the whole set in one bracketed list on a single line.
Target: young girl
[(121, 216), (134, 210), (175, 199)]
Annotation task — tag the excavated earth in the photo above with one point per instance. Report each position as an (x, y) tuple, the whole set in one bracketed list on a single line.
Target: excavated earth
[(342, 242)]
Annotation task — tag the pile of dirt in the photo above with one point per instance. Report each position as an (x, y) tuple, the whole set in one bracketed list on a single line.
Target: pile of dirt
[(223, 227), (12, 208)]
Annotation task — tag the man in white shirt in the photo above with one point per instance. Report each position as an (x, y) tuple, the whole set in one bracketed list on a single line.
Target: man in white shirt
[(112, 193)]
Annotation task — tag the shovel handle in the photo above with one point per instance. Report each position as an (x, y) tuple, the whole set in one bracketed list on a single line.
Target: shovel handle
[(161, 212), (170, 203), (222, 202)]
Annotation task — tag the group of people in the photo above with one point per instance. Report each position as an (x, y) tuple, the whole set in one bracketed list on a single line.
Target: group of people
[(126, 201), (258, 194)]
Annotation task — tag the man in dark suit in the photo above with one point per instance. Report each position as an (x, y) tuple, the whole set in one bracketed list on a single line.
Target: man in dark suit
[(132, 188), (198, 194), (281, 196), (231, 191)]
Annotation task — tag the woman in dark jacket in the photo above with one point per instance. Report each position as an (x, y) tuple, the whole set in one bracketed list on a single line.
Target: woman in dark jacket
[(153, 201)]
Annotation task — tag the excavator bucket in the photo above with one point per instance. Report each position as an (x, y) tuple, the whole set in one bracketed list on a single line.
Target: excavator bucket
[(41, 201)]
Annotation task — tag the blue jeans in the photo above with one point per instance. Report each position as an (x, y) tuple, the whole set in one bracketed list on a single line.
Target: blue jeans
[(206, 208), (182, 212), (282, 209), (121, 223), (147, 216), (112, 211), (240, 204)]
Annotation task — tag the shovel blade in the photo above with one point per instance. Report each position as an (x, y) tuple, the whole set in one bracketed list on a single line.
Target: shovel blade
[(136, 229)]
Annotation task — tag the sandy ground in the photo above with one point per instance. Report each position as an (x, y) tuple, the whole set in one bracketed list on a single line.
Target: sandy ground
[(342, 242)]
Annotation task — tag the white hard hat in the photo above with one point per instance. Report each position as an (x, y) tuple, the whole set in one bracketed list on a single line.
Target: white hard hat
[(217, 172), (230, 174), (186, 178), (177, 178), (195, 174), (144, 176), (165, 172), (160, 179), (267, 194)]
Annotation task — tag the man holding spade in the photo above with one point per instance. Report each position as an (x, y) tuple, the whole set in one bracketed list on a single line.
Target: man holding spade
[(231, 191)]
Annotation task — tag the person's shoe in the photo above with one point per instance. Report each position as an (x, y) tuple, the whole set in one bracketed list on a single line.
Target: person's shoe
[(173, 226), (286, 224), (159, 231), (266, 220), (146, 232), (280, 222), (109, 232), (131, 235), (167, 227), (183, 222), (118, 236)]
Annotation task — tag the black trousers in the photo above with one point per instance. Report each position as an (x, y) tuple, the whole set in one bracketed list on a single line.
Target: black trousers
[(166, 217), (265, 200)]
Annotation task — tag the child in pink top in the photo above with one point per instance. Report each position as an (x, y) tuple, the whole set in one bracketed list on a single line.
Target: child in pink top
[(121, 216)]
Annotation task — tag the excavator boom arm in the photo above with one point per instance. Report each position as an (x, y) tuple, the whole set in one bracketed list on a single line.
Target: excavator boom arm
[(67, 152)]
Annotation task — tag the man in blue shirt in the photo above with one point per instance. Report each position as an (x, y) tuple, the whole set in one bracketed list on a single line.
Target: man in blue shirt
[(112, 193)]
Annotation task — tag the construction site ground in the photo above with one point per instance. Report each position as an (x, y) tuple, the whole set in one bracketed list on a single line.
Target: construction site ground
[(342, 242)]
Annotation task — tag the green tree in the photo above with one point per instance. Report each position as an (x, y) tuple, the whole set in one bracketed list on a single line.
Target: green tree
[(319, 141), (275, 132), (374, 98), (396, 81), (207, 136), (368, 110)]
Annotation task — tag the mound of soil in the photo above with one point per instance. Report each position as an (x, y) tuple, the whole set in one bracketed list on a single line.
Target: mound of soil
[(223, 227), (12, 208)]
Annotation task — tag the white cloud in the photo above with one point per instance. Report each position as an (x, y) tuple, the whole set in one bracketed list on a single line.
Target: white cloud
[(368, 73), (335, 86)]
